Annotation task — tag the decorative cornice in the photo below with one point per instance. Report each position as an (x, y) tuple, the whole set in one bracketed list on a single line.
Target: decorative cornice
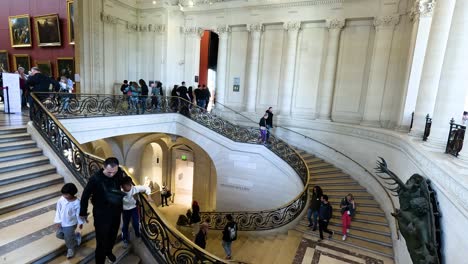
[(258, 27), (194, 31), (109, 19), (292, 25), (132, 26), (335, 23), (158, 28), (386, 21), (422, 8), (259, 4)]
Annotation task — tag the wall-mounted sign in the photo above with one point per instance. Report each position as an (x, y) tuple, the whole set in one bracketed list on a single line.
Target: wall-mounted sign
[(184, 157), (236, 84)]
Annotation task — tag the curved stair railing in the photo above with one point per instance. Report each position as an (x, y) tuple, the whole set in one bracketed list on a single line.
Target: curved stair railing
[(167, 245), (389, 196), (162, 238)]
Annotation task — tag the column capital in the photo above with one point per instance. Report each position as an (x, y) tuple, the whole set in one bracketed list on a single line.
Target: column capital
[(108, 18), (386, 21), (335, 23), (222, 30), (292, 25), (258, 27), (158, 28), (193, 31), (422, 8)]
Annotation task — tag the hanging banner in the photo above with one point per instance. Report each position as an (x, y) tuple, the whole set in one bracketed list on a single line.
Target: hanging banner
[(12, 95)]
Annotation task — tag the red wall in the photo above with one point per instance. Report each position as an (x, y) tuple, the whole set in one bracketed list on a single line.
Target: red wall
[(204, 51), (35, 8)]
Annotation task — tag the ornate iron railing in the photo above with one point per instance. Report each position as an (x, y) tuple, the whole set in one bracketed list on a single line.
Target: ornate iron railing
[(166, 243), (427, 127), (412, 121), (85, 105), (455, 138)]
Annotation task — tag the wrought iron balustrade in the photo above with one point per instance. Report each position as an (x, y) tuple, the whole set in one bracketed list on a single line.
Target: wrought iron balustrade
[(86, 105), (455, 138), (427, 127), (166, 243), (412, 120)]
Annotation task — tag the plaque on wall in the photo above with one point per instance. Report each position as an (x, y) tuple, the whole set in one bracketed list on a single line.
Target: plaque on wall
[(47, 30), (20, 31), (236, 84)]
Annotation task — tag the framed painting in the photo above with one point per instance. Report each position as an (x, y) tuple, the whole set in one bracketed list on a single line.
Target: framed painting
[(71, 22), (21, 60), (65, 67), (20, 31), (44, 66), (47, 30), (4, 62)]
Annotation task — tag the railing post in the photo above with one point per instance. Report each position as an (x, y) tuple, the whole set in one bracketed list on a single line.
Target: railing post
[(427, 127), (452, 121), (412, 120)]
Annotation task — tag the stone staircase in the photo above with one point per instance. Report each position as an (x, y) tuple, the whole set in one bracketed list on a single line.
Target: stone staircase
[(29, 190), (369, 240), (369, 228)]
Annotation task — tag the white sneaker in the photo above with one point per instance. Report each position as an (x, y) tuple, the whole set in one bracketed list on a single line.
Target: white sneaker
[(347, 231), (344, 237), (70, 253)]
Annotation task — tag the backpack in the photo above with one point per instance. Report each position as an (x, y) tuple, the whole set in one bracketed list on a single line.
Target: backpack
[(232, 231)]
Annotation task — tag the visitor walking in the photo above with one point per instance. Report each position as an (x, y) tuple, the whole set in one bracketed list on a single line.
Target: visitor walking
[(314, 207), (325, 214), (348, 209), (229, 235)]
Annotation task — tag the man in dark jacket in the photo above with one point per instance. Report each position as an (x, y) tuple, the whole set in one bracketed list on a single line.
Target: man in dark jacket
[(123, 87), (37, 82), (104, 190), (269, 121), (325, 214), (314, 207)]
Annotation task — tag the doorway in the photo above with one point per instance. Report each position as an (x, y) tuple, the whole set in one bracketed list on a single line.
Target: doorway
[(183, 176), (209, 62)]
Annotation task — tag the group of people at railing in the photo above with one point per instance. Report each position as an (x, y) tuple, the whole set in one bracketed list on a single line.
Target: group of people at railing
[(320, 213), (138, 96)]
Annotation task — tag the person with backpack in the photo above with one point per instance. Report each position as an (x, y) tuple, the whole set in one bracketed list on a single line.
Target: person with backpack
[(229, 235)]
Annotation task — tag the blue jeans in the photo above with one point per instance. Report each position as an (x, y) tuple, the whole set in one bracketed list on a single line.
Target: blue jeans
[(309, 217), (227, 247), (126, 216)]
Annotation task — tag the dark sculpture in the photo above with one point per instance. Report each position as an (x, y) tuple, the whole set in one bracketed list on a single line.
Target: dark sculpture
[(418, 216)]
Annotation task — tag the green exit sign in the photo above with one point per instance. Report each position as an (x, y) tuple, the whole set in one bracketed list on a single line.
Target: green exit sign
[(184, 157)]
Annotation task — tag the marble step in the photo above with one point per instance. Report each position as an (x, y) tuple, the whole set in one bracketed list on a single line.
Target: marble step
[(271, 253), (362, 225), (24, 186), (354, 242), (333, 175), (350, 188), (29, 198), (28, 211), (332, 181), (358, 195), (19, 154), (363, 203), (322, 171), (45, 247), (17, 145), (27, 173), (14, 137), (23, 163), (13, 130), (374, 229)]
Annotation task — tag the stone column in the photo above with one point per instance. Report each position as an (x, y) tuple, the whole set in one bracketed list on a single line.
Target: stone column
[(328, 84), (384, 27), (192, 53), (289, 66), (223, 32), (432, 67), (253, 63), (421, 16), (450, 98)]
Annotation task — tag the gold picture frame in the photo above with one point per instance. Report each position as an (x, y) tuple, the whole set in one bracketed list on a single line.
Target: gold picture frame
[(4, 61), (20, 31), (71, 22), (48, 30), (21, 60), (65, 67), (44, 66)]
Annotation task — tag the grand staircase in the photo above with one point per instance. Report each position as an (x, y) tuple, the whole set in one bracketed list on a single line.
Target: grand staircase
[(29, 190), (369, 240)]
